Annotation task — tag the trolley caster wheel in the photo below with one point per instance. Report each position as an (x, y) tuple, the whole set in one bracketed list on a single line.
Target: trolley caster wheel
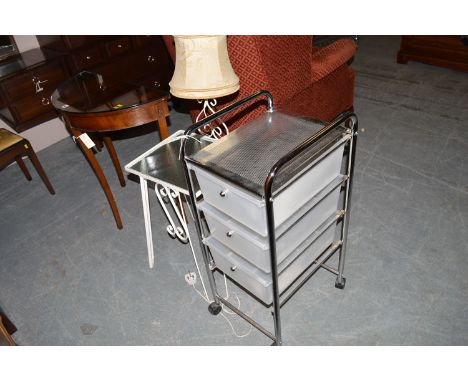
[(214, 308), (340, 285)]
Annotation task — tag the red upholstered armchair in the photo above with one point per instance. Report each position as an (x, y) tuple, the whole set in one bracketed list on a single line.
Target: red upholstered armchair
[(303, 79)]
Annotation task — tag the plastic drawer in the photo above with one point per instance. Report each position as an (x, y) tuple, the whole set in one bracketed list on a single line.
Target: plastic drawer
[(259, 283), (255, 248), (249, 209)]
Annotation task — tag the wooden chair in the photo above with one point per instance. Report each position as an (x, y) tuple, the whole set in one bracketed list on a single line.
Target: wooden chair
[(12, 148), (4, 332)]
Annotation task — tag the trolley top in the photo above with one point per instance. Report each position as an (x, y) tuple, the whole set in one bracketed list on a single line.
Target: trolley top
[(246, 156)]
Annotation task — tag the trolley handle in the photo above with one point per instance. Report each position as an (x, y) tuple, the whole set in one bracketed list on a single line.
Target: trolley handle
[(230, 108)]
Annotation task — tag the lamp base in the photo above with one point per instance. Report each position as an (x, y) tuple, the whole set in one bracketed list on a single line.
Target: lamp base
[(215, 129)]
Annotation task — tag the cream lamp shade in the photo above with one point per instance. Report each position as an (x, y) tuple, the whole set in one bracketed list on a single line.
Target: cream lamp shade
[(202, 68)]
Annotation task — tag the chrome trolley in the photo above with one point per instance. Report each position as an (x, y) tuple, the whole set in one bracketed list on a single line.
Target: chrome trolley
[(268, 219)]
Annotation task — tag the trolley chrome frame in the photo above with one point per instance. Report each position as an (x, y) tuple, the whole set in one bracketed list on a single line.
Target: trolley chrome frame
[(349, 120)]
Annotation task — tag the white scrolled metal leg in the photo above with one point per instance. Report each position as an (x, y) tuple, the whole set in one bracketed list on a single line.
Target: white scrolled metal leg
[(179, 231), (147, 216)]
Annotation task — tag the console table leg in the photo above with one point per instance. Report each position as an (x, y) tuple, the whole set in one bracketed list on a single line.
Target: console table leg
[(115, 160), (162, 123), (101, 178)]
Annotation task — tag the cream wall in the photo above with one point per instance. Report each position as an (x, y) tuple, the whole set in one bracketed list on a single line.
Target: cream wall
[(26, 42), (47, 133)]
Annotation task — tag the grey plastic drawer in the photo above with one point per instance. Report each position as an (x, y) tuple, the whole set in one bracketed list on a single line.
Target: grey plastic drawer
[(258, 282), (249, 209), (255, 248)]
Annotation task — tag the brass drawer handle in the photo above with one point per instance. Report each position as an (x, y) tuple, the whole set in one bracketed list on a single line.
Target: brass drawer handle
[(229, 234), (45, 101), (88, 58), (151, 58), (119, 46), (157, 84), (37, 83), (223, 193)]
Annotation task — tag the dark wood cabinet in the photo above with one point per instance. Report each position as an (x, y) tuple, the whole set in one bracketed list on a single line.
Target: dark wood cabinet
[(26, 84), (447, 51), (28, 80), (135, 58)]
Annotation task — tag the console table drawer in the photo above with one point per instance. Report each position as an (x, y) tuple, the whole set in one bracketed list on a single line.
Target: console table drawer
[(36, 81), (31, 107)]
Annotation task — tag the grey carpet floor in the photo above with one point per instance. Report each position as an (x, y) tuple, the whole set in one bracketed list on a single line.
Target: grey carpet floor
[(69, 277)]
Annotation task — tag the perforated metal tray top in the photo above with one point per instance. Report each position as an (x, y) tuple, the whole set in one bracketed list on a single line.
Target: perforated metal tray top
[(246, 155)]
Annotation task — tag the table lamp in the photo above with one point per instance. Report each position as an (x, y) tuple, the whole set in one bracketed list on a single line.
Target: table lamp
[(203, 72)]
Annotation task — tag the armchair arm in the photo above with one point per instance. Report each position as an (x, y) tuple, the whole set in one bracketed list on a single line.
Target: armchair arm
[(331, 57)]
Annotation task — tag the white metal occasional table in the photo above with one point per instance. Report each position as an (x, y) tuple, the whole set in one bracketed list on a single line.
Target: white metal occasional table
[(162, 167)]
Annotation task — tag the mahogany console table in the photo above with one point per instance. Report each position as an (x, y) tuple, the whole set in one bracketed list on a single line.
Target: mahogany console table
[(92, 103)]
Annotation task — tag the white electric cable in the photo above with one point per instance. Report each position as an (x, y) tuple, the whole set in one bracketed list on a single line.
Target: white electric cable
[(234, 332), (227, 319)]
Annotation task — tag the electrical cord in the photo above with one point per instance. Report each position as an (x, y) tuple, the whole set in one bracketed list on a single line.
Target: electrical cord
[(226, 310)]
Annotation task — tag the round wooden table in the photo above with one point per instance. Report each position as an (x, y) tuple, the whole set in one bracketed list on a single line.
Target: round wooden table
[(90, 103)]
